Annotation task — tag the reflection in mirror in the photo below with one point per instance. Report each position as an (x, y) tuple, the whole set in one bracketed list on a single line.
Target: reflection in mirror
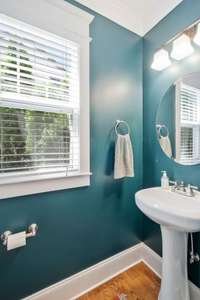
[(178, 120)]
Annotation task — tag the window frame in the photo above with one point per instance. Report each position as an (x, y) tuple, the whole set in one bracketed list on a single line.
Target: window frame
[(78, 33), (179, 125)]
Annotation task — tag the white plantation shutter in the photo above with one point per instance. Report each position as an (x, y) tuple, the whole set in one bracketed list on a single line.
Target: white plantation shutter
[(189, 124), (190, 105), (187, 145), (39, 101)]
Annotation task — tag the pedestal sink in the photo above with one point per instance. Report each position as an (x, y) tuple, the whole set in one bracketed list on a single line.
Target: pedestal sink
[(177, 215)]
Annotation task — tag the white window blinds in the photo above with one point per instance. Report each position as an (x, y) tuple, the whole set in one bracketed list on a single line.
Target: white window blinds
[(39, 100), (189, 124)]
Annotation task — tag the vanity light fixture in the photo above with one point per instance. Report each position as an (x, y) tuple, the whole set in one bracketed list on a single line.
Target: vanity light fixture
[(161, 60), (181, 47), (196, 39)]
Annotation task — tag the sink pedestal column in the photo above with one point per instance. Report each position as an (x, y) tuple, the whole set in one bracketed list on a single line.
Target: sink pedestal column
[(174, 285)]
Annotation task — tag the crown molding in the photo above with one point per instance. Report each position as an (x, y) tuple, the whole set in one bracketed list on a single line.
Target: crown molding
[(136, 16), (117, 11), (72, 9), (67, 20)]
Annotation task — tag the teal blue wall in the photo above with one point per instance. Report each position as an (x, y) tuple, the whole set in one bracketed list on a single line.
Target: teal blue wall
[(155, 86), (80, 227), (166, 115)]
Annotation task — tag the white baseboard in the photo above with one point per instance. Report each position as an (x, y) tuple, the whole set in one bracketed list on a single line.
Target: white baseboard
[(194, 291), (154, 262), (81, 283)]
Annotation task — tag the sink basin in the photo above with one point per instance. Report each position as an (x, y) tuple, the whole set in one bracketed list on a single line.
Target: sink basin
[(177, 215), (169, 208)]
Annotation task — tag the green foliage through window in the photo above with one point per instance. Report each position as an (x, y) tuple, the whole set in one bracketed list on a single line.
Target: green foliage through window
[(33, 139)]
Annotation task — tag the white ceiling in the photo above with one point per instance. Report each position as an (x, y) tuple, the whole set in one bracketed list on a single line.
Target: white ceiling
[(138, 16)]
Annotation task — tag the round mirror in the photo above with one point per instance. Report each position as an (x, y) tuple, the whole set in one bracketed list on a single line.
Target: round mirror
[(178, 120)]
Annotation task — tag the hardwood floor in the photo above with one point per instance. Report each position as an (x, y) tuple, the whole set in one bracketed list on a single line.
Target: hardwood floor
[(137, 283)]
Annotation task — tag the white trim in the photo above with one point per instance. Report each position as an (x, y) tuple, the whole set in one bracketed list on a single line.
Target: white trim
[(72, 23), (79, 284), (72, 9), (119, 12), (178, 119), (194, 291), (42, 185), (137, 16), (67, 21), (38, 175), (84, 107), (152, 259)]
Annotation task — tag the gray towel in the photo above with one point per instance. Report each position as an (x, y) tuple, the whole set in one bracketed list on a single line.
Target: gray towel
[(123, 157)]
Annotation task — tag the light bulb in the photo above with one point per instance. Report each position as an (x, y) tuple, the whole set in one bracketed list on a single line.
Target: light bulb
[(161, 60), (182, 47), (196, 39)]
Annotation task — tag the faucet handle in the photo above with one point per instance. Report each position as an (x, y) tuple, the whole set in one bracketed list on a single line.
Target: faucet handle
[(182, 186), (190, 190), (194, 187), (174, 185), (173, 182)]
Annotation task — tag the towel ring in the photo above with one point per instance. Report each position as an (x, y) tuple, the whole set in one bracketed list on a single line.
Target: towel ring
[(118, 122), (160, 127)]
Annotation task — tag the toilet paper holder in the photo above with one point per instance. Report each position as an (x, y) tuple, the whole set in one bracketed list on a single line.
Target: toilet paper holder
[(31, 232)]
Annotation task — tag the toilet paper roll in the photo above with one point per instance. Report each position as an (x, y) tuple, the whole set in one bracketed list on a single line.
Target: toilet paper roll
[(16, 240)]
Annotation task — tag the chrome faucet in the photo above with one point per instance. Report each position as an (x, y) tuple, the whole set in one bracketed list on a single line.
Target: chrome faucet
[(180, 188)]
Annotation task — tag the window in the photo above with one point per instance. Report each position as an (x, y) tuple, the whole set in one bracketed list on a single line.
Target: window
[(44, 106), (188, 128)]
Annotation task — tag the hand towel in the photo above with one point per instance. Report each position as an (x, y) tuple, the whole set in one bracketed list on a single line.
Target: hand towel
[(124, 165), (165, 144)]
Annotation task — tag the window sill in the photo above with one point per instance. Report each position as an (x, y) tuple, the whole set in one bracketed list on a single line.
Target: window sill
[(27, 186)]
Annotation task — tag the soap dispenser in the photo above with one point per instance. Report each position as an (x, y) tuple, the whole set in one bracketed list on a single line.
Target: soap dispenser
[(164, 180)]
